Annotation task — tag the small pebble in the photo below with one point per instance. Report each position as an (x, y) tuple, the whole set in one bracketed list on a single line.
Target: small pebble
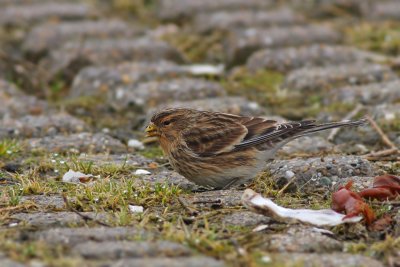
[(390, 116), (203, 69), (135, 144), (136, 209), (266, 259), (289, 174), (142, 172), (260, 228)]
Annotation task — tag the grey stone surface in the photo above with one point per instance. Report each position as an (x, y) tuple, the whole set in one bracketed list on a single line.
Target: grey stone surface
[(178, 9), (334, 259), (44, 202), (151, 94), (76, 236), (323, 172), (48, 36), (385, 10), (303, 239), (74, 55), (167, 177), (77, 143), (42, 125), (310, 145), (309, 80), (333, 8), (245, 218), (4, 262), (242, 43), (370, 94), (287, 59), (359, 182), (225, 20), (386, 115), (15, 103), (100, 80), (130, 249), (19, 2), (196, 261), (52, 219), (29, 13), (221, 198)]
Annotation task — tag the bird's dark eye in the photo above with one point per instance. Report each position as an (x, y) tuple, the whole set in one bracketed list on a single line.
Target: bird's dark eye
[(165, 123)]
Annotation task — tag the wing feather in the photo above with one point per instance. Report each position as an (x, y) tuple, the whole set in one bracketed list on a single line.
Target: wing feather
[(216, 133), (276, 132)]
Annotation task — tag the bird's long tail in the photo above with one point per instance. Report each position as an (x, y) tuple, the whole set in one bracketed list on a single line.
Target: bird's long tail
[(313, 128)]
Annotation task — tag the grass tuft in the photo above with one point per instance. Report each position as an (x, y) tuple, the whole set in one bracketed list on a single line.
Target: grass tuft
[(9, 148)]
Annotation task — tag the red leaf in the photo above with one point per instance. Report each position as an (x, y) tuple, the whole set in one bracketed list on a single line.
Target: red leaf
[(388, 181), (381, 194), (345, 200), (384, 187)]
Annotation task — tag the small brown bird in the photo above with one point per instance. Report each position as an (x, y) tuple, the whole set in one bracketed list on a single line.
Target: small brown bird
[(219, 150)]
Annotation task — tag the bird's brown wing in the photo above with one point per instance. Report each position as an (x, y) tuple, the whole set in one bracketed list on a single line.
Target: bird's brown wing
[(219, 132), (214, 134)]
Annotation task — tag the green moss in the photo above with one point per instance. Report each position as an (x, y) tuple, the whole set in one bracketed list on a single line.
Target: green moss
[(382, 250), (12, 195), (83, 102), (379, 37), (261, 86), (390, 125), (97, 113), (31, 183), (152, 152), (51, 255), (264, 87), (124, 217), (143, 10), (9, 148), (116, 195), (198, 48), (356, 248), (58, 89)]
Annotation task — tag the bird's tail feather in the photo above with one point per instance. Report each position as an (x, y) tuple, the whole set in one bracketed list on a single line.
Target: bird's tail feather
[(331, 125)]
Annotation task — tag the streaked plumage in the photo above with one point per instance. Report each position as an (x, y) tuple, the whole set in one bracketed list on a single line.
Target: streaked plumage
[(219, 150)]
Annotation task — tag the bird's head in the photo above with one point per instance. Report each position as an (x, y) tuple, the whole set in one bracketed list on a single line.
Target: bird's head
[(170, 123)]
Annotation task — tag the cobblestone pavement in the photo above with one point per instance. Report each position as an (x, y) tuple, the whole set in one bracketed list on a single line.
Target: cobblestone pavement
[(79, 80)]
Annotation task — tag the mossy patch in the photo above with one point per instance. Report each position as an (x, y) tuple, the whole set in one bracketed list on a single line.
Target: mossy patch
[(379, 37), (9, 148), (390, 125), (291, 196), (142, 10), (384, 250), (262, 86), (198, 48), (152, 152), (96, 112), (265, 87)]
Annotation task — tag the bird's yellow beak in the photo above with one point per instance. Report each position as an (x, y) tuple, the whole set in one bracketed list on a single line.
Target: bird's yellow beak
[(151, 130)]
